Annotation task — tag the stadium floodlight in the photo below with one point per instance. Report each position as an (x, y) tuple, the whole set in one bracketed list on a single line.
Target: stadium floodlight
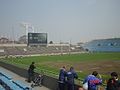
[(28, 27)]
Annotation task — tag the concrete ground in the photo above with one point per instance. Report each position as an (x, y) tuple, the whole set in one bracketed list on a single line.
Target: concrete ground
[(17, 77)]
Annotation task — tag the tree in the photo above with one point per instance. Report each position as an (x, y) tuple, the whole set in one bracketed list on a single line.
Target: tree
[(51, 42)]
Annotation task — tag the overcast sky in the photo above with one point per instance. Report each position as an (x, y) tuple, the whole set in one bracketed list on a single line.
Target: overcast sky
[(63, 20)]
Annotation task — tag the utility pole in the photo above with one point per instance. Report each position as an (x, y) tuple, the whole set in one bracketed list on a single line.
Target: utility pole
[(13, 35), (70, 47), (61, 48)]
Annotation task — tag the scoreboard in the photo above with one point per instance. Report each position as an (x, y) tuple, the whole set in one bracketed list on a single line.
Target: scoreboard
[(37, 38)]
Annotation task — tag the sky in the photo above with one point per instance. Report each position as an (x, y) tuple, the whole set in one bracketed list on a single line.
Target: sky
[(63, 20)]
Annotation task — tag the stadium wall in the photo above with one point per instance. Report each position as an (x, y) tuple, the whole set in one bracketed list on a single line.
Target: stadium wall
[(13, 45)]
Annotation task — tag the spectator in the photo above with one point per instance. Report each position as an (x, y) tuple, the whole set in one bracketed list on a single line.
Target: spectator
[(31, 72), (113, 83), (93, 81), (71, 74), (62, 75)]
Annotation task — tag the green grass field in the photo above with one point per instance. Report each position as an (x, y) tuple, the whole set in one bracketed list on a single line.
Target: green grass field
[(84, 63)]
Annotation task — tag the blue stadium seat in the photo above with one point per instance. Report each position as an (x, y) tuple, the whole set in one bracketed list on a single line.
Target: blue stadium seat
[(22, 85), (1, 88), (9, 83), (5, 74)]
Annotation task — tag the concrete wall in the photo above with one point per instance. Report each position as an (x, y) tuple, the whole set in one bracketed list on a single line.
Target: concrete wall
[(48, 82)]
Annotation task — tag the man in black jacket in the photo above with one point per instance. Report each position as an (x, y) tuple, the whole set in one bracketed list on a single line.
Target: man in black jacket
[(31, 72)]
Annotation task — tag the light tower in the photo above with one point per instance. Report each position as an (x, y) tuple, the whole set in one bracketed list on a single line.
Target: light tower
[(28, 28)]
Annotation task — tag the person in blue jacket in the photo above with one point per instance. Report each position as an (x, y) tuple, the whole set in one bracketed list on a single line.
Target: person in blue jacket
[(71, 75), (62, 75), (93, 81)]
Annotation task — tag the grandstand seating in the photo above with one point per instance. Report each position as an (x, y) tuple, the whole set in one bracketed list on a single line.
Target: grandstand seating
[(22, 85), (1, 87), (5, 74), (6, 83), (9, 84), (103, 45), (17, 50)]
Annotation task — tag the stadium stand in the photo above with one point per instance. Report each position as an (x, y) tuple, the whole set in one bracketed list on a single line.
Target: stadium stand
[(3, 73), (103, 45), (22, 85), (6, 83), (1, 87), (18, 79), (25, 50)]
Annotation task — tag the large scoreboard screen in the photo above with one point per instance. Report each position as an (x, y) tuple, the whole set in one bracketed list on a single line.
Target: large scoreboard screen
[(37, 38)]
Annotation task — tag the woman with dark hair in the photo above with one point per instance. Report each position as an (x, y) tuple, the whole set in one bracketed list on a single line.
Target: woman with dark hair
[(113, 83)]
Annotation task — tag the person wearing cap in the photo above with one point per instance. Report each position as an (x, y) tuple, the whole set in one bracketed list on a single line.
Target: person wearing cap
[(113, 83), (93, 81)]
